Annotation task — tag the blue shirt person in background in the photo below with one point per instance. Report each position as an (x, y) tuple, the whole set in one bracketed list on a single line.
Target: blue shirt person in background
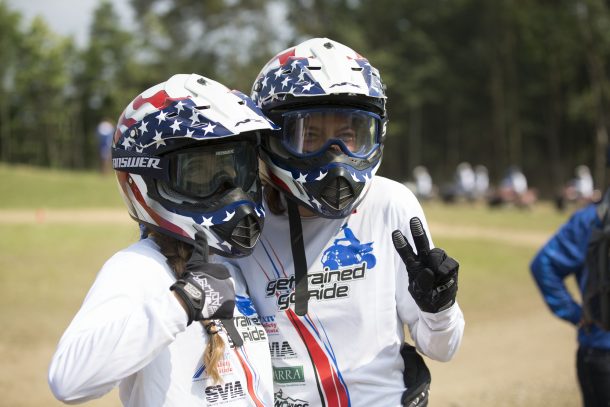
[(104, 132), (564, 255)]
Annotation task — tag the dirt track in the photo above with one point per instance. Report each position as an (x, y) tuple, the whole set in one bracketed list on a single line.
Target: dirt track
[(13, 216), (119, 216), (527, 360)]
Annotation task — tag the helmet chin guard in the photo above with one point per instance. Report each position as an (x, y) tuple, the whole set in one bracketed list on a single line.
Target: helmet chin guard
[(331, 188), (337, 190)]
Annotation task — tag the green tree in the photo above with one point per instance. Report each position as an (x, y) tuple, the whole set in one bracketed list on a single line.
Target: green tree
[(107, 77), (10, 38), (42, 118), (225, 40)]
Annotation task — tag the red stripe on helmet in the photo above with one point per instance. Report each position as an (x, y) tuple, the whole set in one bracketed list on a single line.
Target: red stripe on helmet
[(283, 57), (159, 100), (278, 181), (156, 217)]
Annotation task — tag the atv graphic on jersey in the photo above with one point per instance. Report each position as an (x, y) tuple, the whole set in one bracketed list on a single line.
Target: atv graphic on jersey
[(344, 262), (348, 251)]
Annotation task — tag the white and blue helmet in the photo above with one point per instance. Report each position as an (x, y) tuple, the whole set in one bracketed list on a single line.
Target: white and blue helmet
[(185, 155), (330, 104)]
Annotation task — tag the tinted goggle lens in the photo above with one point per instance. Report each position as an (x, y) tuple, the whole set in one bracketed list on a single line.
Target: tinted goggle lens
[(203, 172), (309, 132)]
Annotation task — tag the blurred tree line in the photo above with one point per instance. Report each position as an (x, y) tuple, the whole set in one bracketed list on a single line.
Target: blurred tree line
[(497, 83)]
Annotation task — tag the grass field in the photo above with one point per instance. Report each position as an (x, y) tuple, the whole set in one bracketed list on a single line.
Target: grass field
[(514, 352)]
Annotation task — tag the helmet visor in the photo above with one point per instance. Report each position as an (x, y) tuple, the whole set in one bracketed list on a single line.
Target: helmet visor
[(202, 172), (310, 132)]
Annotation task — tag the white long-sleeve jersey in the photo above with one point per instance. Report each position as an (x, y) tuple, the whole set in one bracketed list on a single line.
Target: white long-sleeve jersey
[(131, 331), (345, 351)]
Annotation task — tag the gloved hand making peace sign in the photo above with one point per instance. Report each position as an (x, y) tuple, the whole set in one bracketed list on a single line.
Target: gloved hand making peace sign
[(432, 274)]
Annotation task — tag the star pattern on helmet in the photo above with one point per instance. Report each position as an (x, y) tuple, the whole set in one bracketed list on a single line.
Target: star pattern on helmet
[(223, 215), (142, 127), (373, 80), (158, 139), (295, 72), (175, 126), (161, 116), (207, 222), (318, 175), (127, 143), (209, 128), (180, 119), (291, 77), (195, 117)]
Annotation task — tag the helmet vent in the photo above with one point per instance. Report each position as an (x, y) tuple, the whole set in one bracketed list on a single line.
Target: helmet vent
[(338, 194), (246, 232)]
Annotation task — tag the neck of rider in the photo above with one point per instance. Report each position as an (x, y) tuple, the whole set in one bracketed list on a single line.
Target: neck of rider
[(305, 212)]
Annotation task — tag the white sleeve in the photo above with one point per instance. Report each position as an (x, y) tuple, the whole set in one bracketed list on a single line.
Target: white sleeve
[(439, 335), (127, 318)]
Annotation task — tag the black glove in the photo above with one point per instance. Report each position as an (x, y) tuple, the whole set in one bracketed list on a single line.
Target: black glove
[(416, 376), (432, 274), (206, 288)]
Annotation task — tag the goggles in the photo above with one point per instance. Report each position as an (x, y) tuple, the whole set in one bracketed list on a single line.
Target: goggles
[(306, 133), (202, 172)]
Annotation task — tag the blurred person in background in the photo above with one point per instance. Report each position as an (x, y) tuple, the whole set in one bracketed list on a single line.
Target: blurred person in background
[(579, 190), (465, 180), (335, 292), (103, 133), (580, 249), (423, 185), (161, 322), (463, 185), (481, 182), (513, 190)]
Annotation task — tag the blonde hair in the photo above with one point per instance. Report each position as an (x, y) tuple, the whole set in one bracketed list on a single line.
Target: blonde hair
[(178, 253)]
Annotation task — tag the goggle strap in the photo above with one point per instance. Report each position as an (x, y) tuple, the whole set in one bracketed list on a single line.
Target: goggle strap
[(300, 260)]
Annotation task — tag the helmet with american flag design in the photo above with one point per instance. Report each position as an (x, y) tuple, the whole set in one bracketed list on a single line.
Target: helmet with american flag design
[(185, 156), (330, 104)]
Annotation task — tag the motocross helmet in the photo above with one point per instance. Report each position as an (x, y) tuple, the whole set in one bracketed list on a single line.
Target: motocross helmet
[(185, 156), (330, 104)]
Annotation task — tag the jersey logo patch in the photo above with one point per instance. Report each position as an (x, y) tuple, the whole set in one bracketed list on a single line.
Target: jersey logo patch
[(281, 350), (347, 251), (245, 306), (288, 375), (286, 401), (224, 392)]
